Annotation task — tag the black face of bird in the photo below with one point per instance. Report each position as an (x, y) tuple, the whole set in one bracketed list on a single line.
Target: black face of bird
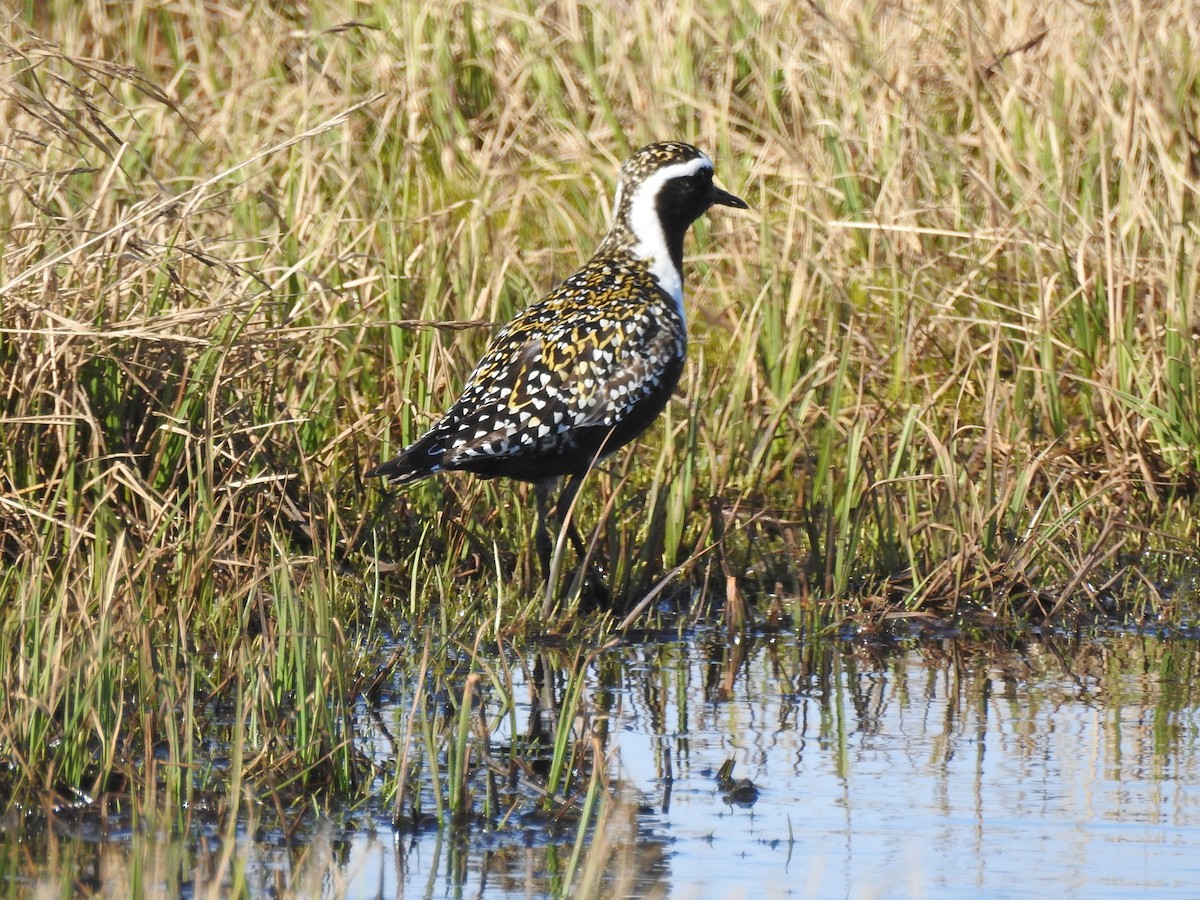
[(684, 199)]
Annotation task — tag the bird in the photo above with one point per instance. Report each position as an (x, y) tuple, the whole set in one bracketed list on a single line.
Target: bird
[(586, 369)]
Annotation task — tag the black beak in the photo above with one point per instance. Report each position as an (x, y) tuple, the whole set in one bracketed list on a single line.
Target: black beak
[(718, 197)]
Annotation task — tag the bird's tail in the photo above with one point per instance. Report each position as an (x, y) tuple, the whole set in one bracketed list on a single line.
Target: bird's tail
[(395, 470), (413, 463)]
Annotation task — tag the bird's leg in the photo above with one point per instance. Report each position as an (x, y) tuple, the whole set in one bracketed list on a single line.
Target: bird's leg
[(598, 590), (550, 549), (562, 509), (545, 546)]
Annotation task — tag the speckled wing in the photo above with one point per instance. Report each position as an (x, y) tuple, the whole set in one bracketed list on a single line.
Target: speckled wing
[(567, 378)]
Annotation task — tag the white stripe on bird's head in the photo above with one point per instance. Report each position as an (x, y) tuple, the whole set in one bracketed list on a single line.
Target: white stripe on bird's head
[(642, 220)]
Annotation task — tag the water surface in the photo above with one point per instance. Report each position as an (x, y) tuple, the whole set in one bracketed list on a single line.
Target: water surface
[(1052, 768)]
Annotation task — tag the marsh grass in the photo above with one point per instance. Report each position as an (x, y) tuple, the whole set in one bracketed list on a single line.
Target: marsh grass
[(943, 370)]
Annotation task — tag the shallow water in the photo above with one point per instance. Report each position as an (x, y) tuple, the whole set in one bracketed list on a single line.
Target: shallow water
[(1050, 769)]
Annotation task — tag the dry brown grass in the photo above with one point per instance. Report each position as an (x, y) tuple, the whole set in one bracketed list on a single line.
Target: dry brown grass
[(945, 368), (972, 236)]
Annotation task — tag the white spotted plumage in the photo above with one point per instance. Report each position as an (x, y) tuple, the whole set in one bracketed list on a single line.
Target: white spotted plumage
[(586, 369)]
